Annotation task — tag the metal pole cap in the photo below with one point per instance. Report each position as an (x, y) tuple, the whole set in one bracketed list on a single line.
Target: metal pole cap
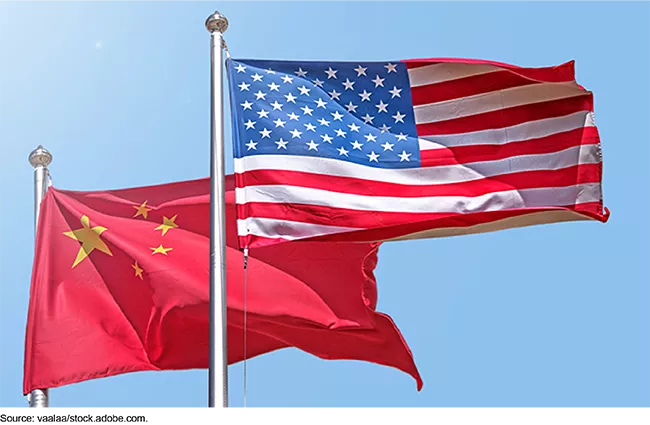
[(216, 22), (40, 157)]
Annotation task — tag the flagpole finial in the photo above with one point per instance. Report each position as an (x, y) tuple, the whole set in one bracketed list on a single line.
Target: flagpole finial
[(216, 22), (40, 157)]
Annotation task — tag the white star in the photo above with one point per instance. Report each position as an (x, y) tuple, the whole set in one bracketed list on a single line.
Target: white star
[(337, 116), (373, 156), (262, 113), (367, 119), (276, 106), (401, 136), (256, 77), (360, 71), (293, 116), (387, 146), (306, 110), (295, 133), (326, 138), (320, 103), (310, 127), (274, 86), (384, 128), (279, 123), (282, 143), (334, 94), (247, 105), (378, 81), (331, 73), (395, 92), (318, 83), (370, 138), (243, 86), (354, 127), (365, 95), (300, 72), (240, 68), (250, 124), (312, 145), (351, 107), (287, 79), (270, 71), (399, 117), (342, 151), (348, 84), (304, 90), (340, 132), (356, 145), (382, 106), (404, 156), (391, 68), (290, 98), (251, 145), (259, 95), (265, 133), (324, 122)]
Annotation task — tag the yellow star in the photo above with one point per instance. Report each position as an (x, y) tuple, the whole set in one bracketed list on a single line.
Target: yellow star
[(138, 270), (89, 238), (168, 223), (143, 210), (160, 250)]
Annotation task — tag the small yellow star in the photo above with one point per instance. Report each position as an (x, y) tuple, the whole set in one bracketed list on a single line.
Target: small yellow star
[(160, 250), (143, 210), (90, 240), (138, 270), (168, 224)]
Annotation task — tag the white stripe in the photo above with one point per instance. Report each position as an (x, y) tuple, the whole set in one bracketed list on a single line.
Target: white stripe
[(530, 219), (584, 154), (439, 72), (493, 101), (266, 229), (496, 201), (285, 229), (520, 132)]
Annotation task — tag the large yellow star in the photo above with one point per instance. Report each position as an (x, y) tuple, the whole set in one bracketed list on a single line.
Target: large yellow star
[(138, 270), (168, 223), (89, 238), (160, 250), (142, 210)]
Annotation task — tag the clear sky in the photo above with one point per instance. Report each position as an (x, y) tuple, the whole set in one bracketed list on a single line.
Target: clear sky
[(554, 315)]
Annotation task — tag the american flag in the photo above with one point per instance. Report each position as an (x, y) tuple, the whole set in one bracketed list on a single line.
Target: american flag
[(409, 149)]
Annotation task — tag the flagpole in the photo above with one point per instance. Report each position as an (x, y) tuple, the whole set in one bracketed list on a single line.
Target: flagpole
[(217, 24), (40, 158)]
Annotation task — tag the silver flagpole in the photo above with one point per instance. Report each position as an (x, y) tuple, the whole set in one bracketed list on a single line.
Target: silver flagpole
[(218, 367), (40, 158)]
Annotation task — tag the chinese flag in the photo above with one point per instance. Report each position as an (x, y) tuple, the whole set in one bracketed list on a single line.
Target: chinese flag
[(120, 284)]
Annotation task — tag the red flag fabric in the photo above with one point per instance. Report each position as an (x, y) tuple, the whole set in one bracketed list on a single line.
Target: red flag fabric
[(120, 284)]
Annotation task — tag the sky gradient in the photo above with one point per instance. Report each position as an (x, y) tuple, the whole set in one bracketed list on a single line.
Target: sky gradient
[(554, 315)]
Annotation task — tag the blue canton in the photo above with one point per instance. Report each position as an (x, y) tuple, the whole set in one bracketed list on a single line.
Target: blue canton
[(348, 111)]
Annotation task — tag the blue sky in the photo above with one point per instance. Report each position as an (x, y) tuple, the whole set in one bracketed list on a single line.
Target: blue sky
[(554, 315)]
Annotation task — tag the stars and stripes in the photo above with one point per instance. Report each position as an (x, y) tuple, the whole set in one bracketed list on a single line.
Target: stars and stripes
[(373, 151)]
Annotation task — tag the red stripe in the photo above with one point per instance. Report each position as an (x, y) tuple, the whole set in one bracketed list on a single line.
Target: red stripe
[(259, 241), (386, 228), (579, 174), (477, 153), (509, 116), (468, 86), (592, 211), (568, 68), (563, 72)]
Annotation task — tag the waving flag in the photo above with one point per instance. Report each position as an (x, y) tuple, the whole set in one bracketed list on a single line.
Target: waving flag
[(120, 284), (395, 150)]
